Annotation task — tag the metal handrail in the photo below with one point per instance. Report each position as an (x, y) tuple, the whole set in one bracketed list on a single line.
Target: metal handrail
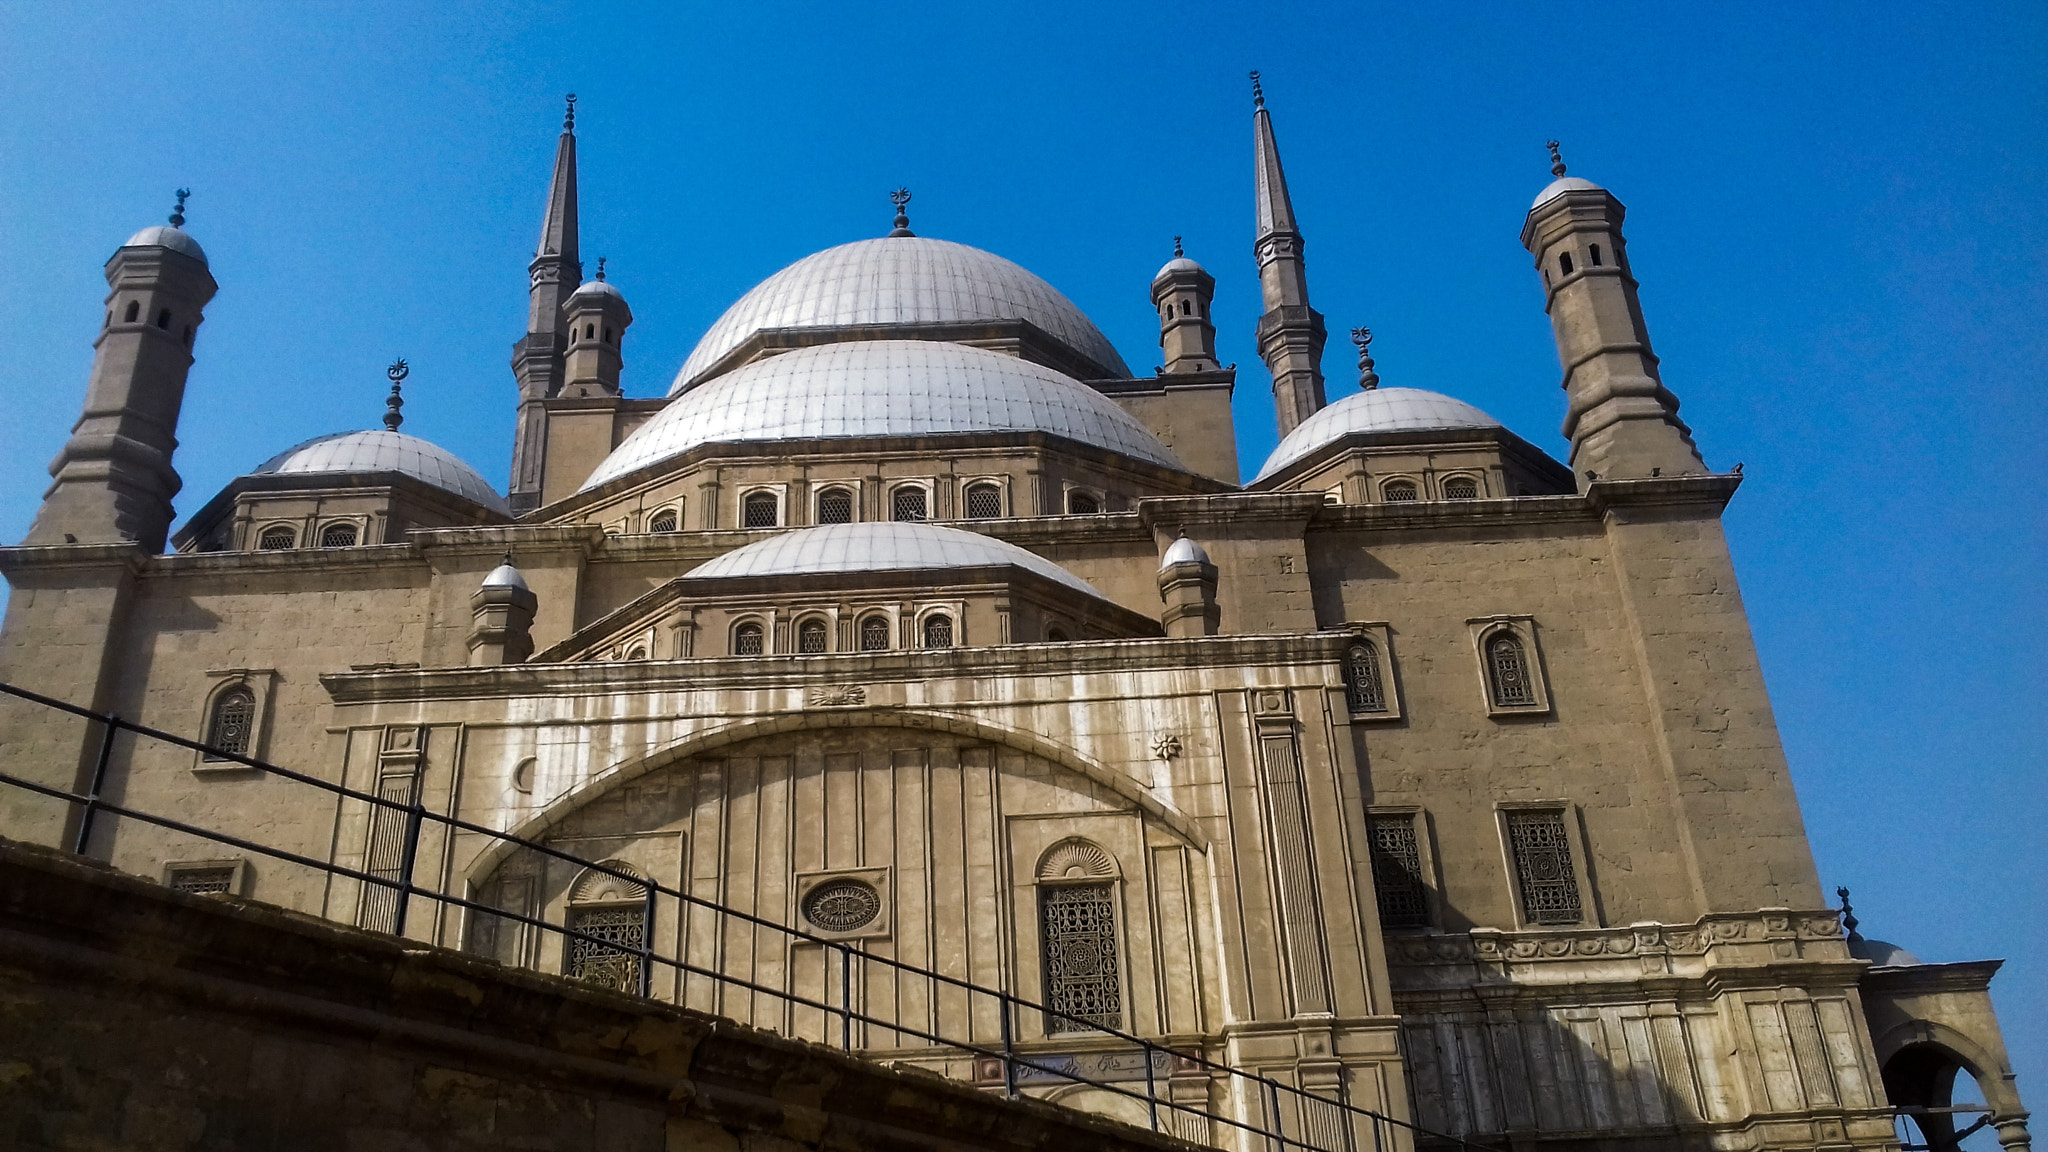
[(417, 815)]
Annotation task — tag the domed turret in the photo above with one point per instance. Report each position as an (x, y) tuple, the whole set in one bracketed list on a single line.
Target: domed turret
[(597, 319), (1182, 293)]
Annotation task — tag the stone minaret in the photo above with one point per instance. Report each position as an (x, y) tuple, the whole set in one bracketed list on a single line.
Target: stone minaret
[(1182, 292), (1290, 332), (113, 481), (1621, 420), (538, 360), (597, 321)]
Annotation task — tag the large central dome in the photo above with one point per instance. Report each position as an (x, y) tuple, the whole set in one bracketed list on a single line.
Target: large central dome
[(899, 280)]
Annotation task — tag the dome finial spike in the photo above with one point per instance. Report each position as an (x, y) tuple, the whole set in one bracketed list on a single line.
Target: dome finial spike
[(600, 269), (178, 213), (1258, 93), (1176, 247), (901, 199), (1556, 161), (1848, 916), (569, 117), (1367, 378), (398, 371)]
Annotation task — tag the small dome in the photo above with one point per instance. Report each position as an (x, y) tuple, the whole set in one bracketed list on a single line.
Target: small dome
[(506, 576), (880, 547), (165, 236), (1178, 264), (385, 451), (1560, 186), (882, 388), (597, 288), (899, 280), (1380, 410), (1882, 953), (1183, 551)]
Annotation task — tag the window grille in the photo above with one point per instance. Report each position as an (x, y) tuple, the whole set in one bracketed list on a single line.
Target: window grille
[(338, 536), (612, 960), (1397, 873), (984, 502), (842, 905), (874, 634), (1081, 503), (759, 510), (202, 880), (907, 504), (234, 715), (1461, 488), (746, 640), (938, 631), (1398, 490), (1507, 669), (276, 539), (810, 636), (835, 506), (1362, 678), (1077, 923), (1543, 867), (664, 521)]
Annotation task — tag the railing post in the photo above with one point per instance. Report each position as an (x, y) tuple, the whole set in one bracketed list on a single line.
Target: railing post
[(1151, 1089), (846, 997), (1279, 1126), (647, 944), (414, 813), (1009, 1051), (109, 724)]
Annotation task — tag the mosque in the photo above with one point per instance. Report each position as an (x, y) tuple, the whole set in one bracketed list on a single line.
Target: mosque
[(1411, 764)]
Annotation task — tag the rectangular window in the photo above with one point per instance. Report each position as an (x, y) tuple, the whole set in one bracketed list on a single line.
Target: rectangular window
[(1078, 926), (613, 959), (1397, 873), (1543, 867), (219, 878)]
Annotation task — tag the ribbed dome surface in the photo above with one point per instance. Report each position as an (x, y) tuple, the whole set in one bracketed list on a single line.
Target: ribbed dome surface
[(1380, 410), (882, 388), (1560, 186), (165, 236), (386, 451), (881, 547), (899, 280)]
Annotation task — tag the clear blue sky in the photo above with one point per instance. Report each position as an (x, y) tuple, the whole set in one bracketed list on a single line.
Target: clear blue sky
[(1837, 213)]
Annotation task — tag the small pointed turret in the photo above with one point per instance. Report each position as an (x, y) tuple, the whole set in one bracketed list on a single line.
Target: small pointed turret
[(1290, 332), (1183, 291), (537, 360)]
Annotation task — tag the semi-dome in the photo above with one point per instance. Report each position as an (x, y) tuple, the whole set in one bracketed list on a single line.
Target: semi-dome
[(899, 280), (165, 236), (386, 451), (882, 388), (881, 547), (1560, 186), (1380, 410)]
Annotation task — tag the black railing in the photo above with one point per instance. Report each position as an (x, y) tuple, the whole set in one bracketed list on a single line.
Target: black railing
[(1321, 1123)]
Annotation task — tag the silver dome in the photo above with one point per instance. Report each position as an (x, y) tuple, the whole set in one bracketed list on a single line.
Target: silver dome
[(1178, 264), (1183, 551), (165, 236), (882, 388), (386, 451), (899, 280), (1380, 410), (1882, 953), (880, 547), (506, 576), (1559, 187)]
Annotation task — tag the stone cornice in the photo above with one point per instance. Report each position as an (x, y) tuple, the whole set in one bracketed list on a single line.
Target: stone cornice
[(33, 564), (1913, 979), (394, 557), (496, 540), (1229, 508), (1709, 489)]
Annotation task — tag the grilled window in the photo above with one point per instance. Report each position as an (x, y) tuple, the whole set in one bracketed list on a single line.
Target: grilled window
[(277, 539), (201, 880), (759, 510), (984, 502), (938, 631), (1077, 923), (1362, 678), (810, 636), (1461, 488), (746, 640), (1543, 867), (1507, 670), (338, 536), (907, 503), (842, 905), (835, 506), (1396, 491), (227, 730), (664, 521), (1082, 503), (1397, 873), (874, 634), (612, 960)]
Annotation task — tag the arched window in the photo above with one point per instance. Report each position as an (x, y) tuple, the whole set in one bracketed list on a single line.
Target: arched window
[(907, 503), (1081, 503), (338, 536), (1362, 678), (1054, 634), (1396, 491), (163, 319), (229, 725), (590, 331), (810, 636), (638, 653), (746, 640), (1564, 263), (835, 506), (984, 502), (1596, 255), (277, 538), (759, 510), (614, 911), (1461, 488), (1186, 309), (874, 633), (188, 335), (938, 630), (1078, 938), (663, 521), (607, 335), (1507, 671), (134, 310)]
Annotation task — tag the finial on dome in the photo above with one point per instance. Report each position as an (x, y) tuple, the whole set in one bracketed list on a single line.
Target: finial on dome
[(1176, 248), (398, 371), (569, 117), (901, 199), (1848, 916), (1258, 93), (1367, 378), (600, 269), (178, 213), (1556, 161)]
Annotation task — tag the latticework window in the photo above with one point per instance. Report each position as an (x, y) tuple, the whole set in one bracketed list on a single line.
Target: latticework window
[(1397, 873), (201, 880), (338, 536), (1398, 490), (664, 521), (1362, 681), (1543, 867), (233, 718), (612, 960), (746, 640), (1077, 923), (984, 502), (938, 631), (1461, 488), (1507, 670), (277, 539), (842, 905), (1082, 503), (835, 506), (810, 636), (759, 510), (874, 634), (907, 504)]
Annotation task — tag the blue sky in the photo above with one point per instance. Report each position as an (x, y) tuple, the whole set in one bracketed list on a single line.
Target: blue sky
[(1836, 211)]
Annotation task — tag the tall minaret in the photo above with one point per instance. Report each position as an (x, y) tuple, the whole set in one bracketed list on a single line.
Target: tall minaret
[(537, 360), (1621, 420), (113, 481), (1291, 332)]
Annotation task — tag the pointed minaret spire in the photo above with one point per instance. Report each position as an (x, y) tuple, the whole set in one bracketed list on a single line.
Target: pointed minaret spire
[(901, 199), (1290, 333), (392, 403), (537, 360)]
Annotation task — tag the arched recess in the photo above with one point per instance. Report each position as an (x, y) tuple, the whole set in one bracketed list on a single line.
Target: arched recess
[(1931, 1039)]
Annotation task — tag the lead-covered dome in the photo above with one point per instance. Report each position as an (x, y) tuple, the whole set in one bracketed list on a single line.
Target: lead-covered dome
[(872, 388), (165, 236), (880, 547), (386, 451), (899, 280), (1380, 410)]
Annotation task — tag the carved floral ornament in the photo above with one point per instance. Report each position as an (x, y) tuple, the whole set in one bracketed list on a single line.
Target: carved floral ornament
[(1165, 746), (835, 695), (1694, 939)]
